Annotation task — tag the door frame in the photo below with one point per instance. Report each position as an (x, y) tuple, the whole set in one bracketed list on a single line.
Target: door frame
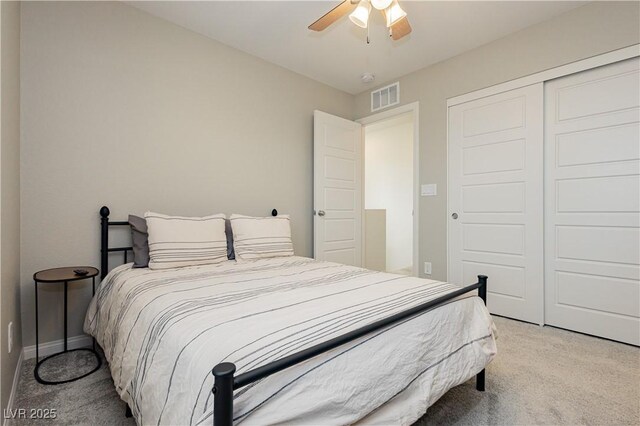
[(596, 61), (414, 109)]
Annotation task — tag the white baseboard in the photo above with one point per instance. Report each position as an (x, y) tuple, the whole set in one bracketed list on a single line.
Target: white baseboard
[(14, 386), (50, 348)]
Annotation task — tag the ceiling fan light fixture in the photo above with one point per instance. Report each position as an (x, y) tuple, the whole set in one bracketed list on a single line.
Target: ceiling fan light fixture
[(381, 4), (394, 13), (360, 16)]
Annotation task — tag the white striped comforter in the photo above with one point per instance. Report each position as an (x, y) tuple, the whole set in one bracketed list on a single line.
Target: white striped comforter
[(163, 331)]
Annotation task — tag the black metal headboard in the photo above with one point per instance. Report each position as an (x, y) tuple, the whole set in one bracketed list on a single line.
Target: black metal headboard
[(105, 223)]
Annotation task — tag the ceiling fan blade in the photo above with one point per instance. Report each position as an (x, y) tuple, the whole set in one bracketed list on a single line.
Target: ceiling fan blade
[(400, 29), (332, 16)]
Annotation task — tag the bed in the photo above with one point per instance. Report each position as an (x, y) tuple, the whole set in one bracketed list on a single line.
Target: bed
[(293, 340)]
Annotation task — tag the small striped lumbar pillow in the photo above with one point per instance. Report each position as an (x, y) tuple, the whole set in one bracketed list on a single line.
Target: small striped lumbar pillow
[(261, 237), (176, 241)]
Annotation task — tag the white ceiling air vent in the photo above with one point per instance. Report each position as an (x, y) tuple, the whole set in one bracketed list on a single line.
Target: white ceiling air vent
[(385, 96)]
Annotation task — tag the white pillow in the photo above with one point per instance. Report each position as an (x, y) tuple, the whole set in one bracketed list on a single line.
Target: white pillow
[(176, 241), (261, 237)]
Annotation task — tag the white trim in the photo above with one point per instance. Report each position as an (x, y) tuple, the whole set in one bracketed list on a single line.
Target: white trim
[(413, 108), (550, 74), (50, 348), (14, 386), (447, 277), (363, 224)]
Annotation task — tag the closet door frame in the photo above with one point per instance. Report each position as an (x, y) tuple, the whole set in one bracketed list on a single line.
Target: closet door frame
[(540, 77), (550, 74)]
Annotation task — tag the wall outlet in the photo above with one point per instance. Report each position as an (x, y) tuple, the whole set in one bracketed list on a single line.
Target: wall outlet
[(427, 268), (10, 337)]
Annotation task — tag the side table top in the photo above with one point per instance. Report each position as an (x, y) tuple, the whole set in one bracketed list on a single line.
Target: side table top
[(56, 275)]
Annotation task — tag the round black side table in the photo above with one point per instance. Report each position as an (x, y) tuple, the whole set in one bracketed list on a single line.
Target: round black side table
[(63, 275)]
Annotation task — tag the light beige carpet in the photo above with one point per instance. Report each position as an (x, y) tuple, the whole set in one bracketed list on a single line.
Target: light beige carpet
[(548, 376), (540, 376)]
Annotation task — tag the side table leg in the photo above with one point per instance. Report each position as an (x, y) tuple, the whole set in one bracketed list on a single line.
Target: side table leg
[(65, 316), (37, 352), (93, 286)]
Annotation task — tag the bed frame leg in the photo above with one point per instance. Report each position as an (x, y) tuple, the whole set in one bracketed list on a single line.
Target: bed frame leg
[(480, 381), (104, 241), (482, 293), (223, 394), (127, 412)]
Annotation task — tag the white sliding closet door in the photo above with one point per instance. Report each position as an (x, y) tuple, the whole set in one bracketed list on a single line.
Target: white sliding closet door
[(495, 199), (592, 202)]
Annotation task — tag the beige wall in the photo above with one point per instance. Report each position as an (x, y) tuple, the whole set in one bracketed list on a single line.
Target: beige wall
[(10, 191), (125, 109), (587, 31)]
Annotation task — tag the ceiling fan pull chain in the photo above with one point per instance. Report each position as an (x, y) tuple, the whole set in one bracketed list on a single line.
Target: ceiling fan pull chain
[(368, 41)]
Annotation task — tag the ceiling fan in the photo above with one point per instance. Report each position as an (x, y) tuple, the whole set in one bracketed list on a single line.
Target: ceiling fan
[(395, 17)]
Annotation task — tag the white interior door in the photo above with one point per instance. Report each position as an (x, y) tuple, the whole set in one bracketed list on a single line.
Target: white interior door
[(495, 199), (337, 145), (592, 213)]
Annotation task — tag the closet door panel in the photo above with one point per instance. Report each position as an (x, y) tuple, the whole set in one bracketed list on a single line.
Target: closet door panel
[(495, 199), (592, 202)]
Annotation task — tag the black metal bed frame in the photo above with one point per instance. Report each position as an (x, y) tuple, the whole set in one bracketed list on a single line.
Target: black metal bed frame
[(225, 380)]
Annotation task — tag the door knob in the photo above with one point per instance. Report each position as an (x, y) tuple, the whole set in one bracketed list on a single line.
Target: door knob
[(321, 213), (454, 216)]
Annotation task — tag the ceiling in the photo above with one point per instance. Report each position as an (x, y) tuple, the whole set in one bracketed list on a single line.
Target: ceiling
[(277, 32)]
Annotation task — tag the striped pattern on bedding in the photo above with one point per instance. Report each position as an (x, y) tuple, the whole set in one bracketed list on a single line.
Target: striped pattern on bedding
[(261, 237), (163, 331), (177, 241)]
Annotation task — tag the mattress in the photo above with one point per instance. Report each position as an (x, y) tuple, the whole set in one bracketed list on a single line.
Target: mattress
[(163, 331)]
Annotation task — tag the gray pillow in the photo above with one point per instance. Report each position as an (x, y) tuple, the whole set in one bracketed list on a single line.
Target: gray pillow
[(140, 239), (231, 254)]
